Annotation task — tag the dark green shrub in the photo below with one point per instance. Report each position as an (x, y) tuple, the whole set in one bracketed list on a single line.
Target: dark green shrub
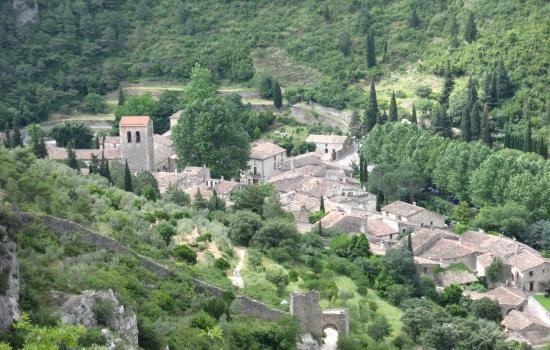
[(92, 336), (184, 253), (103, 310), (222, 264), (203, 321)]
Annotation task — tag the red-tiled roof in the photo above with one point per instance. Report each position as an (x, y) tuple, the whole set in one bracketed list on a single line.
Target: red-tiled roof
[(135, 121)]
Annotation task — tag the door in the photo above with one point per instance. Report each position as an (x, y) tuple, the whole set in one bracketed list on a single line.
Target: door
[(531, 286)]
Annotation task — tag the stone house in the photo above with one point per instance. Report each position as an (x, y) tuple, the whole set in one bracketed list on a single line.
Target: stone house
[(331, 147), (507, 298), (379, 229), (265, 161), (413, 216), (343, 222), (526, 328)]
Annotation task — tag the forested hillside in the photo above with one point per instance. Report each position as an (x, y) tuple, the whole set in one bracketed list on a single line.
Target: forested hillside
[(325, 51)]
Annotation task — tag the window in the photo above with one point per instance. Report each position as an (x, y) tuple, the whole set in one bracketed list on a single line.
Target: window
[(129, 136), (425, 270), (530, 273), (138, 137)]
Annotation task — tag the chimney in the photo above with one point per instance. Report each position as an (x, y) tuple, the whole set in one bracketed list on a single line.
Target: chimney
[(221, 178), (414, 203)]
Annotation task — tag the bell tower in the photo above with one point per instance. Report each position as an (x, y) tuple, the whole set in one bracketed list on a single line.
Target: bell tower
[(136, 140)]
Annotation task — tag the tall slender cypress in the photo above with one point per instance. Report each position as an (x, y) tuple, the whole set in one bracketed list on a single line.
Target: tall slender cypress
[(442, 124), (470, 33), (121, 96), (7, 133), (413, 115), (447, 86), (322, 204), (493, 91), (71, 158), (96, 142), (504, 87), (528, 139), (475, 115), (466, 125), (393, 108), (16, 138), (127, 178), (371, 113), (371, 50), (361, 180), (355, 125), (486, 127), (277, 95)]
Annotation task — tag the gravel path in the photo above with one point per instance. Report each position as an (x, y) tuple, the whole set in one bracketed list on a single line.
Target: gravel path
[(235, 277)]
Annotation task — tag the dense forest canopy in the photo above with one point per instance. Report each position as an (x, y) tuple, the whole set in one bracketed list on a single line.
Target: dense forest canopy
[(79, 47)]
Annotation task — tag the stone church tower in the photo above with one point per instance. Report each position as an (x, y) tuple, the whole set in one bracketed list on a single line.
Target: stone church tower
[(136, 140)]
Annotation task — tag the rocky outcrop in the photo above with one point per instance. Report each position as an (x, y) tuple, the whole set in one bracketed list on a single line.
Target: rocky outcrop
[(307, 342), (9, 281), (119, 326), (25, 11)]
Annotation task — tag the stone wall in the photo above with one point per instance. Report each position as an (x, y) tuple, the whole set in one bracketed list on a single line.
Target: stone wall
[(9, 268), (338, 318), (306, 307)]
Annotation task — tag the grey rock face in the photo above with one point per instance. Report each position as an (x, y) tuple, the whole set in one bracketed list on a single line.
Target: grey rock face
[(79, 310), (9, 269), (25, 13), (307, 342)]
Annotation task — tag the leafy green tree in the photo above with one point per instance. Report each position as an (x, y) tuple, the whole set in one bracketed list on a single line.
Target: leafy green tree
[(215, 202), (184, 253), (175, 195), (537, 235), (277, 233), (77, 134), (442, 336), (393, 108), (416, 321), (509, 219), (166, 231), (16, 137), (265, 86), (528, 138), (200, 87), (146, 185), (277, 95), (359, 247), (59, 337), (278, 277), (371, 50), (135, 105), (379, 328), (400, 266), (470, 29), (210, 133), (94, 103), (494, 270), (7, 133), (487, 309), (252, 197), (243, 225), (452, 294), (168, 104), (462, 212), (371, 113), (127, 178), (504, 86), (355, 125)]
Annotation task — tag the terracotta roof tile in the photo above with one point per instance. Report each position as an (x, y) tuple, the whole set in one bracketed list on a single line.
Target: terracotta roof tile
[(264, 150), (327, 139), (135, 121)]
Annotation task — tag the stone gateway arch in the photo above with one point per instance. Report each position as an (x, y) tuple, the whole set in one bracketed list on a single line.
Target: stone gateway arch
[(305, 306)]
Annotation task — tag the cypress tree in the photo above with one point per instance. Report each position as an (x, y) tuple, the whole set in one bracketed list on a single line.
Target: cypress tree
[(7, 133), (379, 201), (277, 95), (547, 114), (322, 204), (447, 86), (96, 142), (104, 168), (442, 124), (71, 158), (409, 242), (504, 88), (472, 92), (320, 228), (393, 108), (127, 178), (413, 115), (121, 96), (475, 115), (414, 21), (355, 125), (470, 32), (371, 114), (486, 127), (94, 165), (16, 138), (528, 139), (385, 54), (493, 91), (38, 145), (361, 179), (466, 125), (371, 50)]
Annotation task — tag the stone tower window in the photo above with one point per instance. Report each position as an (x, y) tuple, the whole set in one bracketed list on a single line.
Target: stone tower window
[(138, 137), (129, 136)]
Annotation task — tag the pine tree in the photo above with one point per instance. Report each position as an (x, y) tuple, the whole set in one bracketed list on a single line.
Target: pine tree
[(447, 86), (393, 108), (504, 87), (413, 115), (355, 125), (371, 114), (528, 139), (414, 21), (486, 127), (322, 204), (277, 95), (475, 115), (470, 30), (128, 186), (371, 50), (121, 96), (466, 125), (71, 158)]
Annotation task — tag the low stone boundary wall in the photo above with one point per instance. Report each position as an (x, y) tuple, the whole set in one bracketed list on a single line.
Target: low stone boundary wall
[(244, 304), (534, 308)]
